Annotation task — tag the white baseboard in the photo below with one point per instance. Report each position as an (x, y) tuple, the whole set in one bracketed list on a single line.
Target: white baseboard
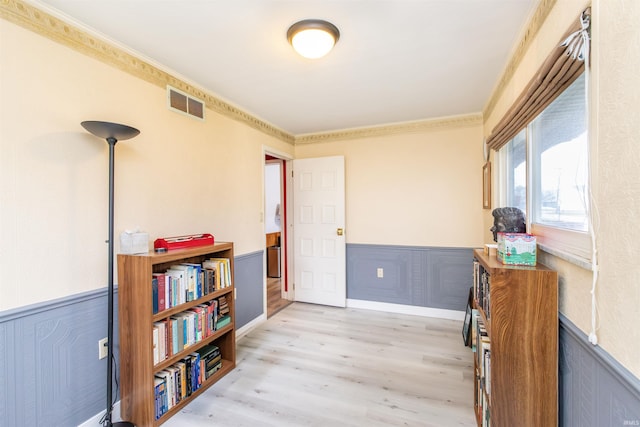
[(406, 309), (240, 333), (95, 420)]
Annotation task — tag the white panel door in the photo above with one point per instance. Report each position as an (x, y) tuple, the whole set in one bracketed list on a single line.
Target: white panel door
[(319, 258)]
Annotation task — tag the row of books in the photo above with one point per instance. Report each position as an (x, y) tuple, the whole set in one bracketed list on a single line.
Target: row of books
[(187, 282), (179, 381), (482, 288), (177, 332), (481, 345)]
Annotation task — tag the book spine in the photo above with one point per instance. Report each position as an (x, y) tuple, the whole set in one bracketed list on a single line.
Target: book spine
[(154, 294)]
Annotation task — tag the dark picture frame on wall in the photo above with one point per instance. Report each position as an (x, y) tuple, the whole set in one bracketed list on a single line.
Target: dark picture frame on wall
[(486, 186), (466, 326)]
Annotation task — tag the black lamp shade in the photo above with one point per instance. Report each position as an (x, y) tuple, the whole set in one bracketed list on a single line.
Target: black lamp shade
[(108, 130)]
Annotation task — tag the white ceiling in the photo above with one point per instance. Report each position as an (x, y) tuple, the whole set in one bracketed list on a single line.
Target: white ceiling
[(396, 60)]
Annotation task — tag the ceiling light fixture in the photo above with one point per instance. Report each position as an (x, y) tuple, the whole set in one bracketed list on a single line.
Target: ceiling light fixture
[(313, 38)]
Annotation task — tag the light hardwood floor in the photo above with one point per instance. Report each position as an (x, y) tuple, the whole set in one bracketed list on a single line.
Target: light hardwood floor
[(320, 366)]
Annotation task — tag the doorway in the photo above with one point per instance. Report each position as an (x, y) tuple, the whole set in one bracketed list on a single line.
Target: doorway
[(275, 193)]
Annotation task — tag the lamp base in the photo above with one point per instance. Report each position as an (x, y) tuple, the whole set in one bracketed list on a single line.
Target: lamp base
[(123, 424)]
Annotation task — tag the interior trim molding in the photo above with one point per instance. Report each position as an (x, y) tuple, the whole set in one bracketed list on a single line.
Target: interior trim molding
[(54, 28), (244, 330), (16, 313), (95, 420), (535, 23), (473, 119), (406, 309)]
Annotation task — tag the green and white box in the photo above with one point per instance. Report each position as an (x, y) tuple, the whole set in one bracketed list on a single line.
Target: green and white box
[(517, 248)]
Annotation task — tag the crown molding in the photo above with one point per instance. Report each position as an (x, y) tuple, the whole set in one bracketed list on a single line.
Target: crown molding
[(51, 27), (391, 129), (47, 25), (535, 23)]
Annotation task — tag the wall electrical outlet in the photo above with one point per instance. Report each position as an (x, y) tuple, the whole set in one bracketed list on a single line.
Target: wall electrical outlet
[(380, 273), (102, 348)]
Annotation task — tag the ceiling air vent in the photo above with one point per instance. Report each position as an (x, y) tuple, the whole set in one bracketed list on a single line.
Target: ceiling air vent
[(182, 103)]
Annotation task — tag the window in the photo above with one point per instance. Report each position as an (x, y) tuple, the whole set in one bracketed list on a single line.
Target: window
[(515, 153), (546, 173), (560, 162)]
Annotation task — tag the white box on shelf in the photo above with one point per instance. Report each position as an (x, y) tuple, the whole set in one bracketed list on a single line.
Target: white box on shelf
[(135, 242)]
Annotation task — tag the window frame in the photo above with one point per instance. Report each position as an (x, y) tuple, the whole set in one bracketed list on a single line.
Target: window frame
[(572, 245)]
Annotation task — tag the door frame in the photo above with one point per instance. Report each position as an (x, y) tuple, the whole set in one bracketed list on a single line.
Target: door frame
[(287, 227)]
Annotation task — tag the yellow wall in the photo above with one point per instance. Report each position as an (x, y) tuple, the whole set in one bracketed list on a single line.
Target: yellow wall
[(615, 169), (178, 176), (617, 109), (421, 188)]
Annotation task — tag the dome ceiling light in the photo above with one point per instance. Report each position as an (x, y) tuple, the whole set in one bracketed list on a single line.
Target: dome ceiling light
[(313, 38)]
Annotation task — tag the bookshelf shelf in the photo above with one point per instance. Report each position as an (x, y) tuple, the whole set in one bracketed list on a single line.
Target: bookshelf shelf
[(519, 307), (136, 324)]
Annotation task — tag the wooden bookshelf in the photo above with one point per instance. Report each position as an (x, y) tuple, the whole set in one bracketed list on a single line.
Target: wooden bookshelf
[(136, 318), (522, 325)]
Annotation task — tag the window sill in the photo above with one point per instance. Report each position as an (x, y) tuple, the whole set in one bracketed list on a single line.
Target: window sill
[(570, 258)]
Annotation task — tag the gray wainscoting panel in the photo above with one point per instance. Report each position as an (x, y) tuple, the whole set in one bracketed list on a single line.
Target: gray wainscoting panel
[(49, 368), (50, 373), (449, 277), (7, 373), (595, 390), (249, 282), (413, 275)]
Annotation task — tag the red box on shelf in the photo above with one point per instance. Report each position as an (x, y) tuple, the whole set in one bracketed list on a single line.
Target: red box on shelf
[(182, 242)]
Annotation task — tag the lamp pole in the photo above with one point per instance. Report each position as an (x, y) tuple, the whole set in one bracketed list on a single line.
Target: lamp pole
[(111, 132), (112, 146)]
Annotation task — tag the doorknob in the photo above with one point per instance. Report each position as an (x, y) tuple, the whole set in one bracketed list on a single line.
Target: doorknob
[(340, 231)]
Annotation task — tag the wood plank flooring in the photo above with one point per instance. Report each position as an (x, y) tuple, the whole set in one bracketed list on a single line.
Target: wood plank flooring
[(321, 366), (275, 302)]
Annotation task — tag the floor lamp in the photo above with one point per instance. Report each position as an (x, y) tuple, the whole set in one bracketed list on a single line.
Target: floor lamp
[(112, 132)]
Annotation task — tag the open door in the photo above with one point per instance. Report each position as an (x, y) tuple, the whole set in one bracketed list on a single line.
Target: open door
[(319, 218), (276, 236)]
